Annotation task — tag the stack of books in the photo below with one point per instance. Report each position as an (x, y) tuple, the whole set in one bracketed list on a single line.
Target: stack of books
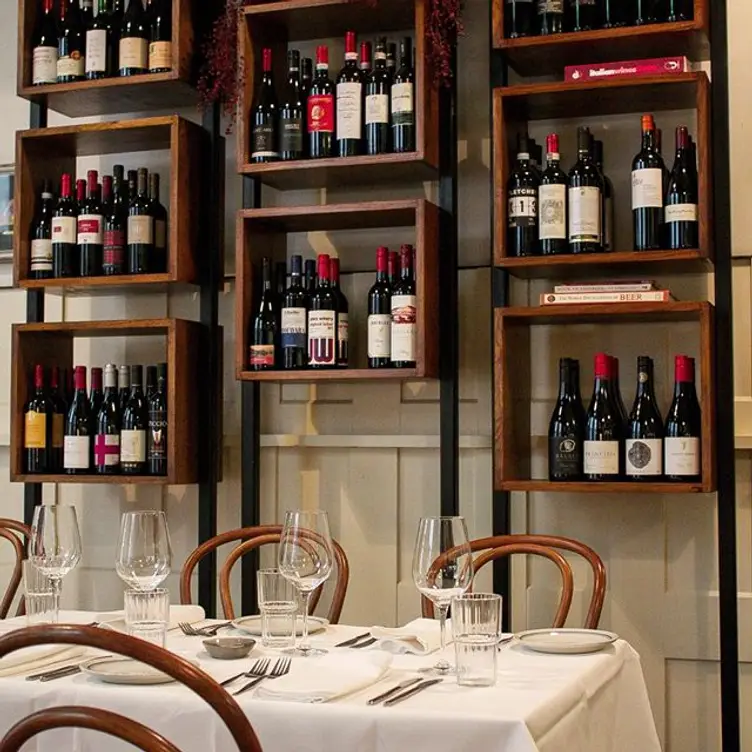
[(638, 291)]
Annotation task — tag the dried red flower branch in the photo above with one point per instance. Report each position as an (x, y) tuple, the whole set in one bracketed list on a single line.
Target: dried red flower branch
[(443, 27)]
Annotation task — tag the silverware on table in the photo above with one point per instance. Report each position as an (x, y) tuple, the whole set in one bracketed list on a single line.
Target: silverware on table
[(414, 691), (349, 643), (258, 669), (365, 644), (385, 695), (190, 631), (61, 674), (281, 667)]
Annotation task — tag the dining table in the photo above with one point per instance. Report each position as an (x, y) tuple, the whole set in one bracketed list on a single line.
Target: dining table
[(540, 702)]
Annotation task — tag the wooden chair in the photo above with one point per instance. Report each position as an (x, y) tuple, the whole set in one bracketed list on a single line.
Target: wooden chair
[(18, 535), (112, 642), (548, 541), (255, 537)]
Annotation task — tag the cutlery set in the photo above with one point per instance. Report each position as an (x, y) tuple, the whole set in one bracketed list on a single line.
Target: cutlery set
[(360, 641), (190, 631), (59, 672), (258, 672), (396, 694)]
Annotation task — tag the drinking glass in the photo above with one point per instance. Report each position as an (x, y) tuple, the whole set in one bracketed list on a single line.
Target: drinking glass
[(147, 613), (39, 597), (306, 557), (55, 546), (442, 569), (144, 552), (278, 606), (476, 630)]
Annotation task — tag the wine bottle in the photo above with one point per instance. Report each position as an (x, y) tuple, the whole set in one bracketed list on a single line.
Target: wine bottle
[(263, 354), (682, 446), (151, 381), (64, 232), (71, 43), (38, 427), (90, 224), (647, 191), (391, 59), (680, 10), (293, 337), (403, 100), (681, 198), (608, 199), (519, 18), (292, 112), (96, 396), (404, 313), (100, 57), (310, 276), (604, 429), (130, 191), (584, 14), (320, 109), (264, 115), (644, 12), (107, 434), (160, 38), (343, 333), (643, 448), (552, 202), (157, 437), (44, 45), (380, 315), (140, 228), (124, 386), (616, 384), (550, 16), (134, 427), (80, 197), (306, 76), (378, 86), (522, 204), (77, 439), (159, 213), (57, 419), (87, 10), (536, 157), (614, 13), (585, 199), (392, 269), (115, 223), (322, 320), (566, 430), (40, 266), (349, 107), (280, 285), (133, 48), (118, 11), (364, 62)]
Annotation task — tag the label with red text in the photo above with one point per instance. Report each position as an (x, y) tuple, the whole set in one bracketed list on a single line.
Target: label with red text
[(321, 113)]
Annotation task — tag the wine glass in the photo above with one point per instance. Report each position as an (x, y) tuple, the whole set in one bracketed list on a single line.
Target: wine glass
[(306, 557), (55, 546), (144, 552), (442, 568)]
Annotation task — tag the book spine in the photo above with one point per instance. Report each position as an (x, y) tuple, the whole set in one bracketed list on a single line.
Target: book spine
[(629, 68), (655, 296), (615, 287)]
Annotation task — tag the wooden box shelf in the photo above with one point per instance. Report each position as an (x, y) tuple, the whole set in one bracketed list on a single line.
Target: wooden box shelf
[(512, 388), (277, 24), (52, 345), (110, 95), (262, 232), (49, 152)]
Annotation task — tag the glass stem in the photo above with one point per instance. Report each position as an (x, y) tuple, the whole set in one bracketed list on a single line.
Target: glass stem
[(56, 584), (306, 604), (443, 611)]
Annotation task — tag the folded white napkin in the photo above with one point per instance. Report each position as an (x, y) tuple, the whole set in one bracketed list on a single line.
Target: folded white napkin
[(419, 637), (116, 619), (326, 678), (38, 658)]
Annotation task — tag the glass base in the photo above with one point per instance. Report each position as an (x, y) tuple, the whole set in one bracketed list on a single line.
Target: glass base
[(307, 652), (442, 668)]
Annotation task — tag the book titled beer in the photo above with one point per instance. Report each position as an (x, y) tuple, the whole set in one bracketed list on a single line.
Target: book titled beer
[(652, 296)]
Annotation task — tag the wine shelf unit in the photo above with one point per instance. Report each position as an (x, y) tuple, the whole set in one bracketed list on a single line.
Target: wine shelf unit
[(512, 355), (116, 94), (277, 24), (262, 232), (515, 106), (48, 152), (51, 344)]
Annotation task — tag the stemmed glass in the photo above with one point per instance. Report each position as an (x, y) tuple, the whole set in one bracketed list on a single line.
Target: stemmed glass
[(306, 557), (442, 569), (144, 553), (55, 546)]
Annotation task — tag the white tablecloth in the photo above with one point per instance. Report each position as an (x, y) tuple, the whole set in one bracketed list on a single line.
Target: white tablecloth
[(541, 703)]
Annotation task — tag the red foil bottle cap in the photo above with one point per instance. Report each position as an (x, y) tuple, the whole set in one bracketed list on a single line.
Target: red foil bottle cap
[(613, 366), (648, 123), (79, 377), (334, 270), (682, 137), (96, 378), (267, 59), (381, 257), (350, 42), (685, 368), (393, 259), (365, 52), (65, 184), (552, 144), (322, 55), (55, 377), (39, 376), (323, 266), (92, 178), (80, 189), (602, 366)]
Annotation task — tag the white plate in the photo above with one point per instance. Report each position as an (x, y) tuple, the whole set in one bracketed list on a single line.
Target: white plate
[(252, 625), (571, 641), (118, 670)]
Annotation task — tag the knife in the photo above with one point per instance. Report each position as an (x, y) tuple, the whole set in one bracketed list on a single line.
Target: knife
[(61, 674), (364, 644), (403, 685), (414, 691), (353, 640)]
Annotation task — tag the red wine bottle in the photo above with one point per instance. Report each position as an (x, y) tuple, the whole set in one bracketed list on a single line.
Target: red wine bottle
[(151, 381), (584, 15), (320, 109), (522, 204), (552, 202), (380, 315), (607, 222), (643, 448), (585, 199), (160, 39), (44, 44), (71, 43), (64, 261), (322, 320), (140, 228), (343, 332), (264, 115), (263, 353), (392, 266), (38, 427), (310, 279), (680, 10), (391, 59), (647, 190), (59, 411), (644, 12), (107, 434), (100, 49), (349, 107), (604, 430), (519, 16), (40, 266), (96, 396), (306, 76), (294, 311), (115, 223), (159, 213), (403, 100), (124, 386), (550, 16), (681, 197), (364, 61), (90, 224), (292, 112), (683, 448), (157, 436), (616, 384), (404, 313), (134, 427), (77, 440), (566, 430), (133, 57), (378, 87)]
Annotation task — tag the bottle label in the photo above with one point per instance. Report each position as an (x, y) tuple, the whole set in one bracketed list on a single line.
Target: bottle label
[(522, 207), (58, 430), (293, 327), (134, 53), (140, 229), (647, 188), (681, 213), (113, 254), (262, 356), (404, 330), (403, 111), (552, 207), (601, 458), (343, 334), (608, 225), (585, 215), (72, 65), (644, 456), (41, 255), (96, 51), (291, 134), (44, 65), (63, 229), (106, 450), (160, 55), (349, 112), (322, 337), (90, 229), (682, 455), (321, 113), (160, 234), (377, 108), (263, 141), (157, 449), (379, 335), (565, 455), (35, 435), (76, 452), (132, 445), (550, 6)]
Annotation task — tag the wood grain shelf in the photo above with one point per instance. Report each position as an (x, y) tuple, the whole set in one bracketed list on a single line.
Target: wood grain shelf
[(110, 480), (544, 486), (334, 375), (585, 313), (107, 284)]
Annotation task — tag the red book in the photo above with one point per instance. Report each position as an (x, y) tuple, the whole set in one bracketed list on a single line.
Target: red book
[(657, 66)]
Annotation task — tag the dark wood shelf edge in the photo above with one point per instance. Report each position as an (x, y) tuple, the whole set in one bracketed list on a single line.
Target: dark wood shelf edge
[(623, 487), (120, 280), (116, 480), (334, 375)]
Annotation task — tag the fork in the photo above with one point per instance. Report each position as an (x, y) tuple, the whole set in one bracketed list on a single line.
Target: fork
[(258, 669), (281, 667), (190, 631)]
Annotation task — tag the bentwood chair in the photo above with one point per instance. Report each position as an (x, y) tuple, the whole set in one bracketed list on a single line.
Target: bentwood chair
[(18, 535), (253, 538), (112, 642)]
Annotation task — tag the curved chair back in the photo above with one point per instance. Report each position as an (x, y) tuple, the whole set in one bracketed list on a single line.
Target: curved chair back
[(173, 665), (18, 535)]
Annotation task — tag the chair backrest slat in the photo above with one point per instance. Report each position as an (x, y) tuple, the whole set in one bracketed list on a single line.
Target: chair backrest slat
[(18, 535)]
